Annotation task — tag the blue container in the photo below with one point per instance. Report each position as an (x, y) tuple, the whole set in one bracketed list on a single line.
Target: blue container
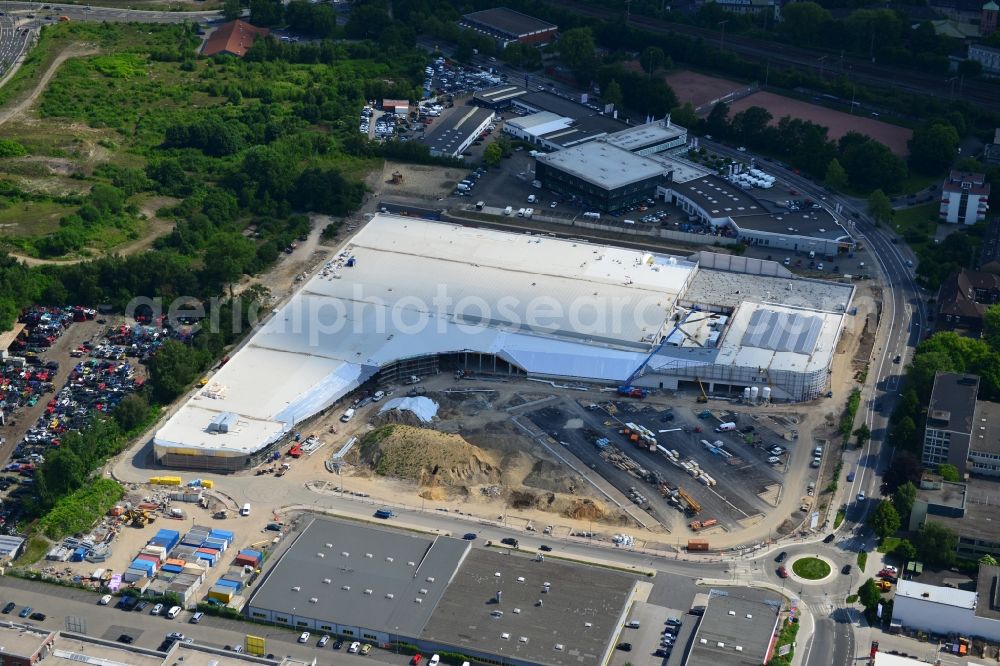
[(207, 558), (78, 554), (225, 535), (172, 568), (229, 583), (145, 565), (256, 554)]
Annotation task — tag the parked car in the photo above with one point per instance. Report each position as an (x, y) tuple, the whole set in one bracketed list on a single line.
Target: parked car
[(846, 570), (338, 644), (38, 617), (469, 536), (323, 641), (625, 647), (9, 607), (545, 548), (782, 572), (509, 541), (355, 646), (782, 556), (25, 612), (303, 637), (829, 538), (157, 609), (365, 649), (105, 600), (417, 658)]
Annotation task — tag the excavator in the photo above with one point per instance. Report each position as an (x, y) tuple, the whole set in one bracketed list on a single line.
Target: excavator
[(703, 398)]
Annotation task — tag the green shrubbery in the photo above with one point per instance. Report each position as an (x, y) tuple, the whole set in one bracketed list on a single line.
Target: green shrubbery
[(78, 511)]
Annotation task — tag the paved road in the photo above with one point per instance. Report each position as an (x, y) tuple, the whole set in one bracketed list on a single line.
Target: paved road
[(20, 10)]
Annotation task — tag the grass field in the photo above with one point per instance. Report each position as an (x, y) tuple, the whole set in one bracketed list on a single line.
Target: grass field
[(32, 218), (918, 224), (811, 568)]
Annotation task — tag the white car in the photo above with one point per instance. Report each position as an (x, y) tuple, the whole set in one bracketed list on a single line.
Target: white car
[(355, 646), (774, 460), (105, 600), (434, 660), (303, 637), (323, 641), (861, 496), (378, 396), (173, 612)]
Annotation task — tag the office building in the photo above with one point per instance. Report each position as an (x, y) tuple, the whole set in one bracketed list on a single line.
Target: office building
[(950, 417), (965, 196)]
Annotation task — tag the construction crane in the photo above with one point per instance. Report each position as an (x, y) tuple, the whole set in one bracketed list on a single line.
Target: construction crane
[(626, 388), (701, 387)]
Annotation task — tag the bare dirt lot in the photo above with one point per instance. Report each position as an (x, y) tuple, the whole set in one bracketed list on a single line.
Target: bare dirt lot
[(698, 88), (419, 181), (838, 122)]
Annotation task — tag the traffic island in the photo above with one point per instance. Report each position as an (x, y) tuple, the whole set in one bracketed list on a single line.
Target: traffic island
[(812, 569)]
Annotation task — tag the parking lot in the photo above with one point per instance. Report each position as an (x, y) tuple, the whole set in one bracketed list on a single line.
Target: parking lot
[(747, 484)]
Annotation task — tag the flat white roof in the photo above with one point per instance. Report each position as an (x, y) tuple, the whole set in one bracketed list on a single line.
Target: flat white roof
[(779, 338), (551, 306), (603, 165), (543, 122), (636, 138), (948, 596)]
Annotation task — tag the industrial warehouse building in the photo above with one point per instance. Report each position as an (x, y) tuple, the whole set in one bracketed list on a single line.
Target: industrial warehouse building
[(506, 26), (947, 610), (509, 304), (452, 136), (438, 593), (606, 177), (737, 628)]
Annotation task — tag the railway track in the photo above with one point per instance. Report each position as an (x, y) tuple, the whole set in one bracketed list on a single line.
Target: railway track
[(862, 71)]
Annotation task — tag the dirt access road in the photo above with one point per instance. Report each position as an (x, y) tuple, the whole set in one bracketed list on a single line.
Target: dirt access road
[(21, 106)]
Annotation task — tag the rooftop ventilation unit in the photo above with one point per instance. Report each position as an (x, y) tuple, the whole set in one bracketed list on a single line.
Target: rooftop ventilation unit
[(733, 613), (411, 564), (522, 639), (390, 595), (345, 588), (296, 588), (430, 579), (520, 579), (505, 636), (320, 554), (368, 591), (418, 600), (423, 590), (389, 560), (329, 545), (558, 647), (720, 644), (588, 625), (345, 553), (739, 648), (313, 600), (497, 575), (749, 616), (703, 641), (368, 555), (517, 611), (327, 581)]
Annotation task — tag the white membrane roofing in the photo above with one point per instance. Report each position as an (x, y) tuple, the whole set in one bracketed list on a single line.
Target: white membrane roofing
[(551, 306)]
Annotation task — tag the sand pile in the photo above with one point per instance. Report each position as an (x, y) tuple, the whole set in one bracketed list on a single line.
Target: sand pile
[(431, 458)]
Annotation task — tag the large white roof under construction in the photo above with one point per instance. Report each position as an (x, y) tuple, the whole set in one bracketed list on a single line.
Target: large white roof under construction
[(404, 288)]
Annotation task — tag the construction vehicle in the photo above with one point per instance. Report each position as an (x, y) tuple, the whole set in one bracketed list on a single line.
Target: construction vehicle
[(139, 517), (633, 392), (706, 414), (703, 398), (693, 505), (221, 515), (883, 585)]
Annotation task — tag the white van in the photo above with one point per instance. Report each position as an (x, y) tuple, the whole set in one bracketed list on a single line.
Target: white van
[(528, 212), (508, 210), (532, 198), (348, 415), (173, 612), (629, 221), (245, 511), (520, 212), (592, 216)]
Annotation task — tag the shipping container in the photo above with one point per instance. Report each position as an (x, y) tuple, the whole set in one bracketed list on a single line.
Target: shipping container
[(222, 534), (697, 545), (220, 593), (171, 568), (236, 585)]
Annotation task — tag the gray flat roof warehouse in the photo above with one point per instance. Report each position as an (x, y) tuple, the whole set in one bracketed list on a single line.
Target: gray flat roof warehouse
[(441, 595)]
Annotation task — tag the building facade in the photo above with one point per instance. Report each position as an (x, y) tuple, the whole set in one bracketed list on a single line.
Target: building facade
[(950, 415), (965, 197)]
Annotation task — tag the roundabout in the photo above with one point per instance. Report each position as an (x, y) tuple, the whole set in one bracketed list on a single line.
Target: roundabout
[(811, 569)]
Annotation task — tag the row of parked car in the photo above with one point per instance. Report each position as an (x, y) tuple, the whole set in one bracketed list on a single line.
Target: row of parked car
[(26, 612)]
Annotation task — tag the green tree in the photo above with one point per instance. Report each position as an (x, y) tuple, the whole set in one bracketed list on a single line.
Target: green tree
[(879, 206), (905, 550), (684, 115), (869, 595), (903, 498), (991, 327), (936, 544), (173, 368), (576, 47), (718, 119), (884, 520), (802, 22), (988, 561), (933, 147), (836, 177), (492, 154), (612, 94), (651, 59), (231, 10), (863, 433), (131, 412), (227, 257), (948, 472), (267, 12)]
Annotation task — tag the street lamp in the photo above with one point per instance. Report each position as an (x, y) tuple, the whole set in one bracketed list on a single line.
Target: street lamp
[(722, 41)]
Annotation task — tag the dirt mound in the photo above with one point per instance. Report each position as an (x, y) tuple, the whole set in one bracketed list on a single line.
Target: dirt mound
[(435, 460), (585, 509)]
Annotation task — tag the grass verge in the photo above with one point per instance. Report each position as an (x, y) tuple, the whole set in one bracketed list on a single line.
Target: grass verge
[(862, 559), (888, 544), (838, 519)]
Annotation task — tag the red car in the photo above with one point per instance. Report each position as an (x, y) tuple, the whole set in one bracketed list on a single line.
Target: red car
[(783, 572), (417, 658)]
